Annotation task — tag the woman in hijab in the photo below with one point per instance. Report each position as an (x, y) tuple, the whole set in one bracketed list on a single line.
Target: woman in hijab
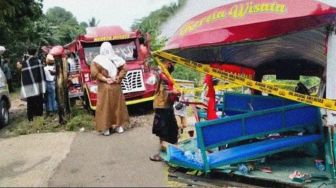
[(109, 69)]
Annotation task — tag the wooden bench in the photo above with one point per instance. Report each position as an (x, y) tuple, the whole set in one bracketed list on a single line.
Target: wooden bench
[(247, 126)]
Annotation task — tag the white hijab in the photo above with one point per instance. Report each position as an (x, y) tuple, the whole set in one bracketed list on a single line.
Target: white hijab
[(108, 59)]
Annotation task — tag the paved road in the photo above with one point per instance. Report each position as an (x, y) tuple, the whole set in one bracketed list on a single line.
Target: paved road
[(31, 160), (117, 160), (81, 159)]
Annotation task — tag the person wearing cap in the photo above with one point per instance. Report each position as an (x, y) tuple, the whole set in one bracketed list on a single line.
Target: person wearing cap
[(50, 71), (33, 84)]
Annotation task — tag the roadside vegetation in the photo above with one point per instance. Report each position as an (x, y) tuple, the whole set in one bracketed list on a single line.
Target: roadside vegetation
[(59, 26), (151, 24), (56, 27), (80, 120)]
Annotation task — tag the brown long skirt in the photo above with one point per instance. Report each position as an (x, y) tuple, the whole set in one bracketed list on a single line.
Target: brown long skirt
[(111, 110)]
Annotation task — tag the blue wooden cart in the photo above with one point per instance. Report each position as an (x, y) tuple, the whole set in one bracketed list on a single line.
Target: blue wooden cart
[(296, 38)]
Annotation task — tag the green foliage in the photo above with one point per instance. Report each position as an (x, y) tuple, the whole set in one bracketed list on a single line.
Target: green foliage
[(84, 24), (80, 119), (151, 24), (93, 22), (64, 25), (15, 14), (22, 24), (58, 15), (17, 23), (184, 73), (21, 126), (308, 81)]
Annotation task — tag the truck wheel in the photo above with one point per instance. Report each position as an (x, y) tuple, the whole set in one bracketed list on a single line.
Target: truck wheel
[(4, 114)]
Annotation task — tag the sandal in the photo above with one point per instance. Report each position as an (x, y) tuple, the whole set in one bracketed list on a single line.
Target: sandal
[(156, 158)]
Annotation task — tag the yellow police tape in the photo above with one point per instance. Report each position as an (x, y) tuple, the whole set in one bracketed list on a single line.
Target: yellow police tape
[(240, 80), (180, 88), (217, 88)]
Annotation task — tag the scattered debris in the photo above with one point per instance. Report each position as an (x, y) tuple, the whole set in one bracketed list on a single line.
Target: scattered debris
[(299, 177), (320, 165), (266, 169)]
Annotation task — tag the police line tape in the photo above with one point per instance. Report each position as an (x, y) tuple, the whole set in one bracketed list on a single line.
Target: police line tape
[(182, 89), (217, 88), (222, 87), (240, 80)]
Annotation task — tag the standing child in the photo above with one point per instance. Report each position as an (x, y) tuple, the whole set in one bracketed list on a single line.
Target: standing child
[(50, 71), (180, 110), (164, 124)]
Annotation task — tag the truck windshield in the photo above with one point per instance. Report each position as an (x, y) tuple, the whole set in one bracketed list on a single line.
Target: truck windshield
[(125, 49)]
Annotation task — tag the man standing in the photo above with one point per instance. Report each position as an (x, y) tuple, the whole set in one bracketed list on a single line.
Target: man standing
[(33, 84)]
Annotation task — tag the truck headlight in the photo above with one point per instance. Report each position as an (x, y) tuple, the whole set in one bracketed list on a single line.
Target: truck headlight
[(151, 80), (93, 89)]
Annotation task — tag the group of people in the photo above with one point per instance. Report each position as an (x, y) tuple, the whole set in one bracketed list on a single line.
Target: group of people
[(37, 82), (111, 111), (111, 114)]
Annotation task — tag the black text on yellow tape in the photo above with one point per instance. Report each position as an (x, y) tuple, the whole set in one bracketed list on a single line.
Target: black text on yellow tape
[(240, 80)]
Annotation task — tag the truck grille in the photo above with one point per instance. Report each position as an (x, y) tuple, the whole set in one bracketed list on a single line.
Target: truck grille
[(133, 82), (134, 94)]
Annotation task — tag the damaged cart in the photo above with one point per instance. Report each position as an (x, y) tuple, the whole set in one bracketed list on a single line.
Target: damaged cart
[(285, 137)]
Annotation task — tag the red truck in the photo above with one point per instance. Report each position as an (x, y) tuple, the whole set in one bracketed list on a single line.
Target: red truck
[(139, 83)]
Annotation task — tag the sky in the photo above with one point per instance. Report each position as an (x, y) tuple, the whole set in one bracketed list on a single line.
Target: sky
[(108, 12)]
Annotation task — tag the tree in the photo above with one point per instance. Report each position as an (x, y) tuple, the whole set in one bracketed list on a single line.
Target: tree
[(151, 24), (93, 22), (17, 24), (84, 25), (64, 25)]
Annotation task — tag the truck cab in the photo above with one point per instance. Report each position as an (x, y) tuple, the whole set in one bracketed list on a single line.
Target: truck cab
[(138, 85)]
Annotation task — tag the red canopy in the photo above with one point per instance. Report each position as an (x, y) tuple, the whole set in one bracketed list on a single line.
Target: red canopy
[(282, 37), (251, 20)]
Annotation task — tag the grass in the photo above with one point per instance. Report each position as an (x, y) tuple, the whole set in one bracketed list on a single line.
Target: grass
[(80, 120)]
